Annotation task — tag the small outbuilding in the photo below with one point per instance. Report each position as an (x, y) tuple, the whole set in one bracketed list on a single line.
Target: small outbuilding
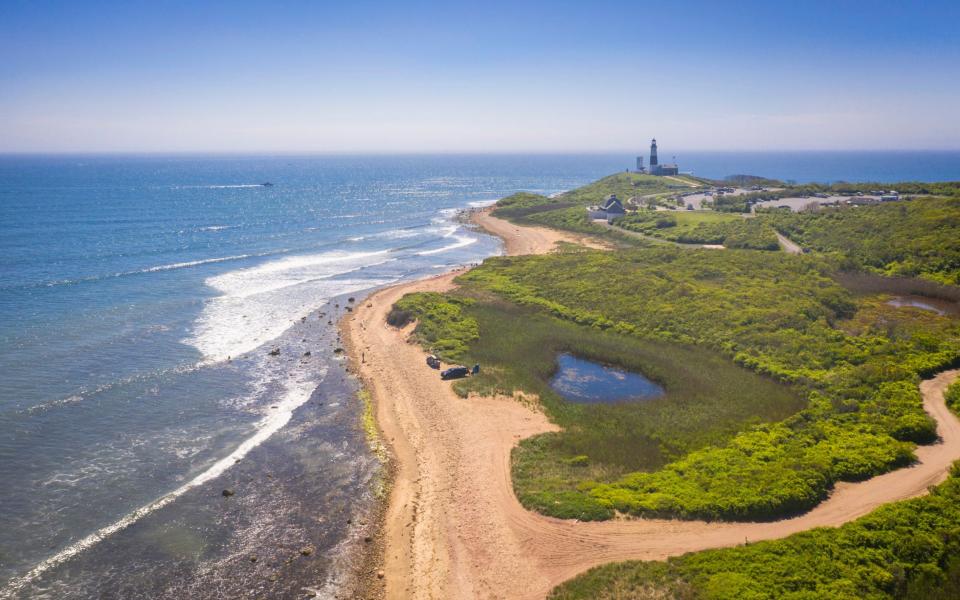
[(610, 209)]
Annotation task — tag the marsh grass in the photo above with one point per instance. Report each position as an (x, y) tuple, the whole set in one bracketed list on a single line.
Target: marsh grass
[(708, 399)]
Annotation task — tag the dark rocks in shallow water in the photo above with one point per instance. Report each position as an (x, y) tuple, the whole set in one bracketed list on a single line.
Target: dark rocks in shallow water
[(350, 299), (349, 309), (306, 550), (307, 353), (228, 492), (338, 350), (274, 352)]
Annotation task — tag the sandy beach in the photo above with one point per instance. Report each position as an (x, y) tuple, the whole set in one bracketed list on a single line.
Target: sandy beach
[(453, 527)]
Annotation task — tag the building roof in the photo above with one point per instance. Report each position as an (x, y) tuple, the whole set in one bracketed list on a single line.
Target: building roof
[(610, 202)]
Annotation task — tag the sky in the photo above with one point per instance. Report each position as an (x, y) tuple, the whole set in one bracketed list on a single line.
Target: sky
[(477, 76)]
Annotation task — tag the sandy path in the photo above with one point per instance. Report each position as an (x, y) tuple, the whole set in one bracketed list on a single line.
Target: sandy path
[(454, 528), (788, 245), (683, 181)]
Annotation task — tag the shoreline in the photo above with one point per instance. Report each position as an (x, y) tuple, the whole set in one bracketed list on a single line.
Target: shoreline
[(453, 526)]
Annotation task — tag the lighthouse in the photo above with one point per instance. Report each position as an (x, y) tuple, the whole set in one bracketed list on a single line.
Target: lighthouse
[(653, 155)]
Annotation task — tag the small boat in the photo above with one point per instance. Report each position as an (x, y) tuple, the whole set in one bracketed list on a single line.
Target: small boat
[(266, 184)]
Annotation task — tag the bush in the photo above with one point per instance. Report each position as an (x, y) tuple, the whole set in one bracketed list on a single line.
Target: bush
[(904, 550)]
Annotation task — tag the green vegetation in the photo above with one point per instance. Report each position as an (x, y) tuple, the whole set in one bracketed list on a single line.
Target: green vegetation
[(625, 186), (442, 325), (952, 397), (566, 211), (918, 238), (708, 398), (702, 227), (857, 363), (569, 219), (905, 550), (734, 203), (524, 204)]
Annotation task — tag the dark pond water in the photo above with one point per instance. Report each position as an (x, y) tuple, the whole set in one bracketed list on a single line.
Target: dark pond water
[(583, 381), (941, 307)]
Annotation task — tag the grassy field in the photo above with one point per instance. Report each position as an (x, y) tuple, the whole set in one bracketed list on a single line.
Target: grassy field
[(855, 360), (625, 186), (566, 211), (702, 227)]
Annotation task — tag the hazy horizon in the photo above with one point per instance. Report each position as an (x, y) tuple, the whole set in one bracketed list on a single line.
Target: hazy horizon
[(427, 78)]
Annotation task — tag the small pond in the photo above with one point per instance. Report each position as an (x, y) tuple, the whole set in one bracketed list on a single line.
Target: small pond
[(941, 307), (586, 382)]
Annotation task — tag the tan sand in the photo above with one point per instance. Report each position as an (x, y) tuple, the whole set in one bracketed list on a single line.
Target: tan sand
[(454, 528)]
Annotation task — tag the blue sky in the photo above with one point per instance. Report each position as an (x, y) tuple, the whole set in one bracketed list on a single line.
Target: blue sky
[(489, 77)]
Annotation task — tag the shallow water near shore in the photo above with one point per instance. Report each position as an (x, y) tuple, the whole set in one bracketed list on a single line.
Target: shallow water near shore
[(142, 299)]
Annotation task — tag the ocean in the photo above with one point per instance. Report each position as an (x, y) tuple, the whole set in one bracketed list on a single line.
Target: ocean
[(168, 334)]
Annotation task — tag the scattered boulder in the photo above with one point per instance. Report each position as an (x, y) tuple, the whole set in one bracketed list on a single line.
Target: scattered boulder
[(307, 353), (275, 352), (380, 574), (350, 299), (253, 558), (306, 550), (228, 492), (368, 539), (338, 350)]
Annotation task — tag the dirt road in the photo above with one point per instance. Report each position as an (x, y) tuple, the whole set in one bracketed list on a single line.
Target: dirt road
[(788, 245), (454, 528)]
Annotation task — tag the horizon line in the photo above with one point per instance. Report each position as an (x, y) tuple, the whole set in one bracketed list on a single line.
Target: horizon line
[(451, 152)]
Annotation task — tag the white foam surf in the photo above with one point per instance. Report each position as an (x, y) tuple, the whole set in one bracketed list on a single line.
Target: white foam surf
[(297, 392), (462, 240), (482, 203), (183, 265), (257, 304)]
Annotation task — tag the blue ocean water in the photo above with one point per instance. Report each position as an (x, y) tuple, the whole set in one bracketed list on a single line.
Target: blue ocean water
[(821, 166), (140, 297)]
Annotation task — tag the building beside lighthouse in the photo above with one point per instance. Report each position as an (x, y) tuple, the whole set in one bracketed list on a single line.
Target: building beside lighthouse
[(655, 167)]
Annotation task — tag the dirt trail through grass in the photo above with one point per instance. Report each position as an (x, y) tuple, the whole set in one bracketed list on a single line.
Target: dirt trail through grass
[(455, 529)]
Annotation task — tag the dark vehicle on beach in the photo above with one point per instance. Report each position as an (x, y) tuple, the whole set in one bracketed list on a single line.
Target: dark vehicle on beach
[(433, 362), (455, 373)]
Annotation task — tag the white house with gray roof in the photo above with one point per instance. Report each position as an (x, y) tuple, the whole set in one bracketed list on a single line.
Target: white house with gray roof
[(610, 209)]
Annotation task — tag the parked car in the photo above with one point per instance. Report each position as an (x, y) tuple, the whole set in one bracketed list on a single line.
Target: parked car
[(455, 373), (433, 361)]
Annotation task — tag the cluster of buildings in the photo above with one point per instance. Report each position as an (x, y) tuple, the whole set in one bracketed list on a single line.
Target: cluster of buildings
[(655, 167), (612, 207)]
